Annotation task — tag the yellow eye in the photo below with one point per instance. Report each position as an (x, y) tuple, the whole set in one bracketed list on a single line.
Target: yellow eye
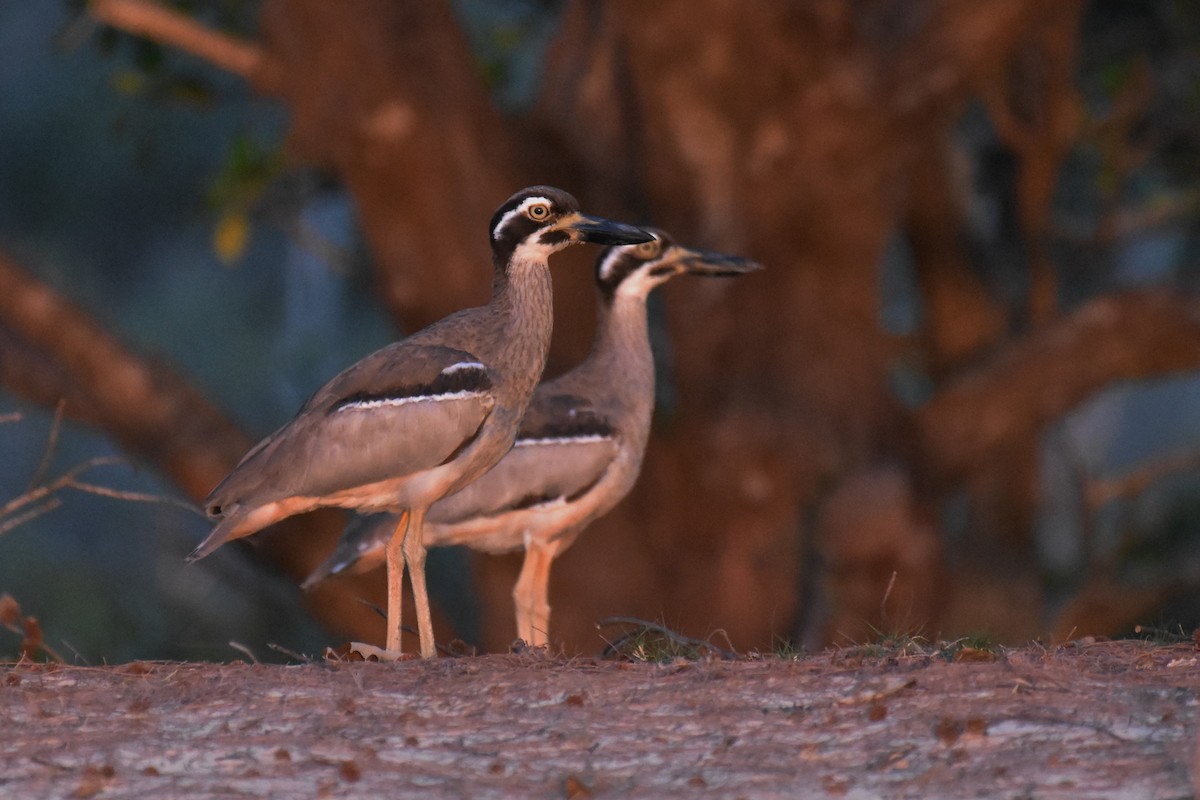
[(649, 250), (538, 211)]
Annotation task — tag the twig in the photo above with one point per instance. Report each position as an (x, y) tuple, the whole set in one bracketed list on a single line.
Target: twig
[(39, 492), (1100, 492), (43, 466), (886, 594), (338, 259), (167, 27), (1125, 222), (50, 651), (33, 513), (446, 651), (372, 606), (292, 654), (78, 656), (70, 480), (642, 626), (135, 497), (728, 642), (241, 648)]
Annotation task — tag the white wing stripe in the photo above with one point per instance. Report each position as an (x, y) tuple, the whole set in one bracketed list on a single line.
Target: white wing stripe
[(388, 402), (560, 440), (461, 365)]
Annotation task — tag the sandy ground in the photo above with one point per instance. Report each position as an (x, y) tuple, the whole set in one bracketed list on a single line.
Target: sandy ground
[(1104, 719)]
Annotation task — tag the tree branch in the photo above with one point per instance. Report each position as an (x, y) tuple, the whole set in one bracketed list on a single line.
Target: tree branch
[(1038, 379), (1101, 491), (962, 318), (153, 21), (154, 415), (1037, 112), (148, 409)]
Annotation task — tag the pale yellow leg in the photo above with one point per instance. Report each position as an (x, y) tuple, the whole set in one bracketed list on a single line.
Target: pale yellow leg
[(531, 595), (414, 557), (395, 584)]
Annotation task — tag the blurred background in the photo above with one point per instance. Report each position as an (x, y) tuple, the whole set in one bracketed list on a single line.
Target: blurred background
[(961, 399)]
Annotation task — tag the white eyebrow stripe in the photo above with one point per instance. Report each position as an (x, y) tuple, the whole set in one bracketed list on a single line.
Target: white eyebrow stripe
[(391, 402), (551, 441), (521, 209), (461, 365)]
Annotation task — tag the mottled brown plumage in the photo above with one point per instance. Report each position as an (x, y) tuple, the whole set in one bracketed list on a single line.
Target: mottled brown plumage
[(580, 447), (420, 418)]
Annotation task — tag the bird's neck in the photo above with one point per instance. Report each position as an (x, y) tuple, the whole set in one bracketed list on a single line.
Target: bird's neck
[(523, 305), (621, 350)]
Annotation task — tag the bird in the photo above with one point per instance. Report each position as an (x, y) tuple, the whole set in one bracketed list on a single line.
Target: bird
[(580, 446), (424, 416)]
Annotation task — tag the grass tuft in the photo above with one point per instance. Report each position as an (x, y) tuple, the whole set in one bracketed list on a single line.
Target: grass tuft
[(654, 643)]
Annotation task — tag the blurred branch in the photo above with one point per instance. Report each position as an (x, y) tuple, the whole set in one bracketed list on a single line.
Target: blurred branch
[(40, 380), (1123, 143), (1118, 223), (962, 317), (50, 348), (1101, 491), (148, 409), (1036, 380), (43, 466), (1037, 112), (339, 259), (18, 520), (1103, 603), (43, 493), (170, 28)]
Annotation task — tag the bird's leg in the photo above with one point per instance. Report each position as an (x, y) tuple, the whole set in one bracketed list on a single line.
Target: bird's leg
[(414, 556), (531, 595), (395, 583)]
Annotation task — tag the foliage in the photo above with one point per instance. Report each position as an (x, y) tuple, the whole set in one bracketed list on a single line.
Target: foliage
[(249, 170)]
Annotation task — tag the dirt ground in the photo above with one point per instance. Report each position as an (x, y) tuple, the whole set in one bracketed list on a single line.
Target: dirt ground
[(1103, 719)]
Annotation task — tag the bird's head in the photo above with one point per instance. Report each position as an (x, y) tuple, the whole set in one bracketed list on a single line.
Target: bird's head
[(638, 268), (541, 220)]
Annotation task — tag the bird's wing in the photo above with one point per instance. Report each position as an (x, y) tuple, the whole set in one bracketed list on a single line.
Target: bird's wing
[(557, 414), (400, 374), (563, 449), (403, 409)]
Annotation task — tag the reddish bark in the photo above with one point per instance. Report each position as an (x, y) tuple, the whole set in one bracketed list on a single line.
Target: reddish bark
[(393, 105), (806, 157)]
